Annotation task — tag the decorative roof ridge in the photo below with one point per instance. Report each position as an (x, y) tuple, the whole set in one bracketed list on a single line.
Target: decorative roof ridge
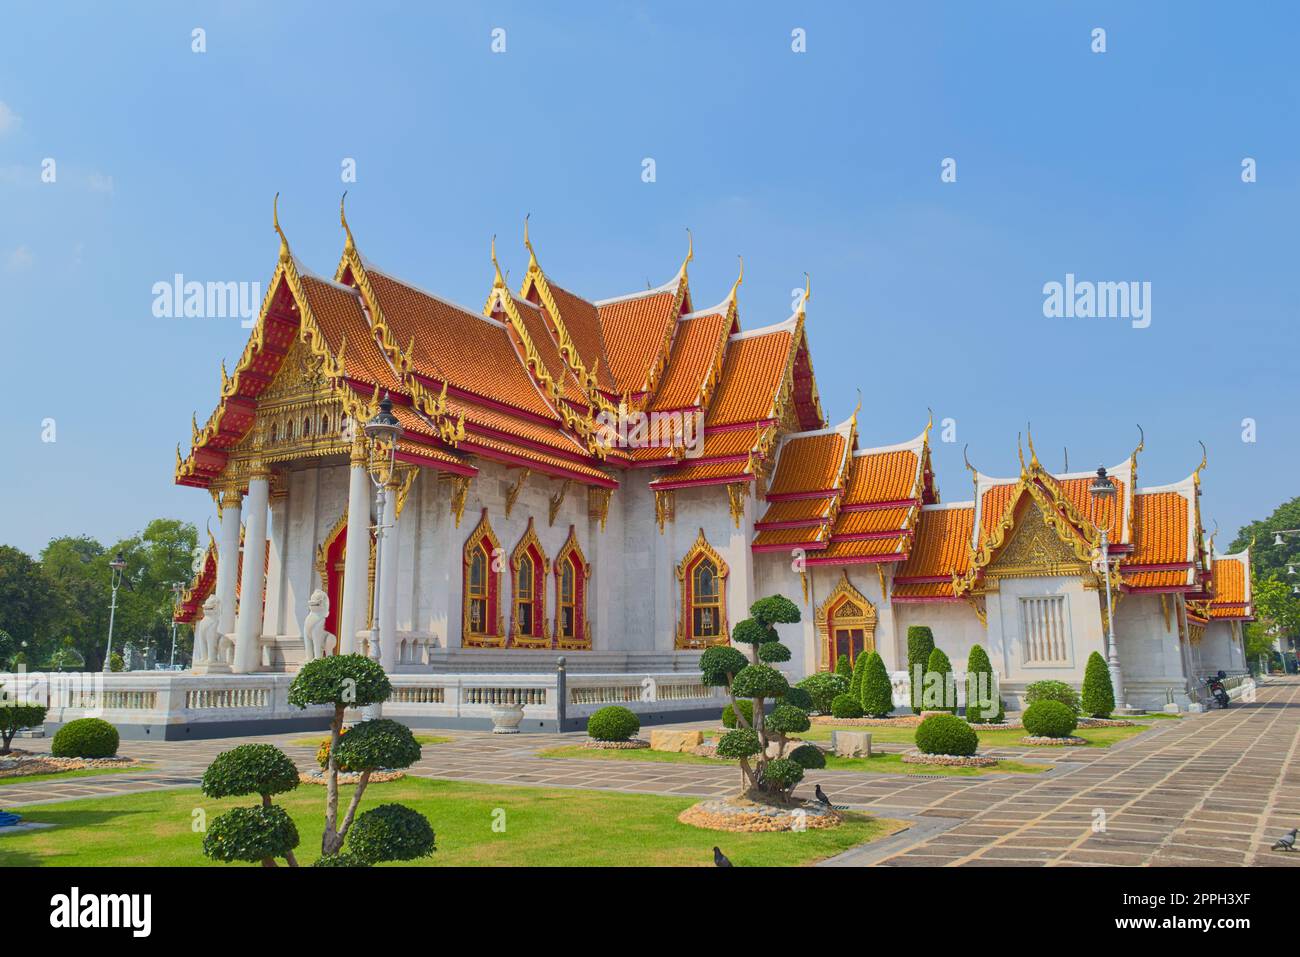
[(1183, 487), (669, 287), (1242, 556), (365, 261), (787, 325), (718, 309), (948, 506), (909, 445)]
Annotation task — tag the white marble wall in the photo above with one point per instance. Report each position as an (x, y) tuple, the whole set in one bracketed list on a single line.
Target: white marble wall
[(956, 630)]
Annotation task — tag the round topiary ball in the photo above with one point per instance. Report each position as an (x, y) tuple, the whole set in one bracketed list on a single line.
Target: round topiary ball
[(376, 744), (787, 719), (746, 708), (808, 756), (613, 723), (946, 734), (773, 652), (720, 661), (846, 706), (741, 743), (798, 697), (1049, 719), (250, 834), (345, 681), (391, 832), (340, 860), (250, 769), (782, 772), (85, 738)]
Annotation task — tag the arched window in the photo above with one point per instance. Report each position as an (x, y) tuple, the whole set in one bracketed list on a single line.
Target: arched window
[(572, 573), (846, 622), (528, 625), (481, 625), (703, 575)]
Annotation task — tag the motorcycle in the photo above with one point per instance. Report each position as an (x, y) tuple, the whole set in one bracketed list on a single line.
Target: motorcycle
[(1217, 690)]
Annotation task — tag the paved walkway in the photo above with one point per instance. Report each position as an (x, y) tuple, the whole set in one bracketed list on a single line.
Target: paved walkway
[(1214, 789)]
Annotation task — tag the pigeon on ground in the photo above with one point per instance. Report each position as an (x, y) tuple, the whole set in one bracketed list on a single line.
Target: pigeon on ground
[(720, 859), (1286, 842), (823, 799)]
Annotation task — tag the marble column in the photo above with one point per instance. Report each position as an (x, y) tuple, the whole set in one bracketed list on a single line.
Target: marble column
[(273, 619), (356, 561), (248, 627), (228, 560), (387, 583)]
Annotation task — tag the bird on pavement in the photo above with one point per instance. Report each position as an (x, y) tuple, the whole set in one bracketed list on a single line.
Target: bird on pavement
[(824, 800), (1286, 842), (720, 859)]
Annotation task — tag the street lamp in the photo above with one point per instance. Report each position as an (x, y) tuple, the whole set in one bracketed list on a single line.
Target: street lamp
[(383, 430), (178, 589), (116, 566), (1102, 490)]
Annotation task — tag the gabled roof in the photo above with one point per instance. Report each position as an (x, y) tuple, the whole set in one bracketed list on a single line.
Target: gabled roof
[(1166, 533), (941, 551), (1233, 596)]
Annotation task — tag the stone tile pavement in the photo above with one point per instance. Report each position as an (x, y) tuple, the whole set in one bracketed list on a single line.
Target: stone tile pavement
[(1213, 789)]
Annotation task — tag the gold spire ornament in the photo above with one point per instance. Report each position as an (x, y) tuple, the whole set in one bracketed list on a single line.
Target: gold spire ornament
[(731, 296), (343, 218), (275, 221)]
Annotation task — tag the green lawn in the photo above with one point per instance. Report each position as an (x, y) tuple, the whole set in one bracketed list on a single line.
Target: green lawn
[(543, 826), (1001, 738), (877, 763), (316, 742), (64, 775)]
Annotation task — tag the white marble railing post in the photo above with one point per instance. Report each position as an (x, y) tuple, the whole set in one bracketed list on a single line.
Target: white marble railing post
[(387, 583), (228, 560), (356, 559), (248, 627)]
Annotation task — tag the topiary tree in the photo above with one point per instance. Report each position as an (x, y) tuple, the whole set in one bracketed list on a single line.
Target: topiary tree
[(752, 678), (391, 832), (946, 734), (855, 680), (251, 833), (980, 684), (352, 681), (846, 706), (942, 683), (1048, 690), (842, 668), (823, 688), (1098, 693), (1049, 719), (920, 642), (85, 738), (613, 723), (877, 695), (15, 716), (745, 707)]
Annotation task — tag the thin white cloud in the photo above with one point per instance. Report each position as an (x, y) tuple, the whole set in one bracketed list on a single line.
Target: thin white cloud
[(9, 120), (20, 260)]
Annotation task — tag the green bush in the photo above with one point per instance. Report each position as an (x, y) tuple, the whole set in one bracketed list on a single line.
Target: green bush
[(783, 772), (877, 695), (920, 642), (977, 665), (85, 738), (824, 687), (759, 681), (721, 663), (946, 734), (15, 717), (613, 723), (1052, 691), (773, 652), (746, 708), (1049, 719), (798, 697), (787, 719), (859, 672), (775, 609), (1098, 694), (116, 662), (391, 832), (250, 769), (345, 681), (381, 743), (741, 743), (747, 631), (339, 860), (251, 834), (846, 706), (842, 667), (808, 756), (943, 683)]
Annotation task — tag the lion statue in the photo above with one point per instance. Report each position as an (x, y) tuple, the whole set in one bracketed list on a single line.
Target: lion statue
[(317, 640), (210, 646)]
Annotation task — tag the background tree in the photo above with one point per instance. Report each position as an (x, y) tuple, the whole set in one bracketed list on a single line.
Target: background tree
[(27, 604), (1277, 613), (251, 833), (943, 682), (877, 688), (979, 682), (859, 670), (1098, 698), (920, 642)]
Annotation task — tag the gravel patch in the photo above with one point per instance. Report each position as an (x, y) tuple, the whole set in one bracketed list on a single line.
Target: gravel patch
[(949, 760), (1052, 742), (635, 744), (740, 814)]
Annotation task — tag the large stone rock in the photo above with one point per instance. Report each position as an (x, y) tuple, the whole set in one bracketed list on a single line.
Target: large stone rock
[(677, 741), (851, 744)]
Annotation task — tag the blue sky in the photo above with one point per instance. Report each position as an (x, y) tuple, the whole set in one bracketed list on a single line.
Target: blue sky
[(1120, 166)]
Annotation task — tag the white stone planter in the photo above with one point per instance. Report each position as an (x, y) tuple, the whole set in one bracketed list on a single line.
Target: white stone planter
[(506, 718)]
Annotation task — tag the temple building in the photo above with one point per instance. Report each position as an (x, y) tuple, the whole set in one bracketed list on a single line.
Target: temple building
[(617, 480)]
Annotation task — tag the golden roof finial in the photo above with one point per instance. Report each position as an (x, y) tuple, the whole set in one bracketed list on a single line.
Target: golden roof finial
[(343, 218), (928, 425), (807, 294), (532, 254), (1033, 456), (857, 408), (739, 279), (1142, 441), (275, 221), (499, 282), (690, 250), (194, 428), (1196, 475), (974, 472), (1020, 451), (1067, 458)]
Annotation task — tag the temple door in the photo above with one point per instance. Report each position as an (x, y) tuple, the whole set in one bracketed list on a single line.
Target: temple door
[(850, 642)]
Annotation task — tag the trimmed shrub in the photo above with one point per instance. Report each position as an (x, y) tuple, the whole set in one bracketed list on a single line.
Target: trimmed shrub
[(345, 681), (250, 769), (381, 743), (391, 832), (747, 631), (613, 723), (979, 681), (720, 663), (859, 670), (773, 652), (759, 681), (808, 756), (1049, 719), (798, 697), (1098, 693), (746, 708), (920, 642), (946, 734), (774, 610), (741, 743), (846, 706), (787, 719), (823, 688), (85, 738), (942, 684), (842, 667), (14, 717), (877, 695), (783, 772), (251, 834), (340, 860), (1052, 691)]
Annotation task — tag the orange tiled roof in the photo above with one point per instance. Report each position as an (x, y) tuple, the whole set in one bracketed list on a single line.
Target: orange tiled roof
[(751, 378), (339, 313), (1232, 587), (881, 477), (809, 463), (943, 544), (539, 331), (582, 321), (802, 510), (634, 329), (694, 351), (506, 451), (789, 537), (1159, 529), (850, 550), (872, 520)]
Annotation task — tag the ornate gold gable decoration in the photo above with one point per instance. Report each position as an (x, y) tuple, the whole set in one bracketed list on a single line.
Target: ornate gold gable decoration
[(701, 549), (598, 503), (665, 508), (846, 607)]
